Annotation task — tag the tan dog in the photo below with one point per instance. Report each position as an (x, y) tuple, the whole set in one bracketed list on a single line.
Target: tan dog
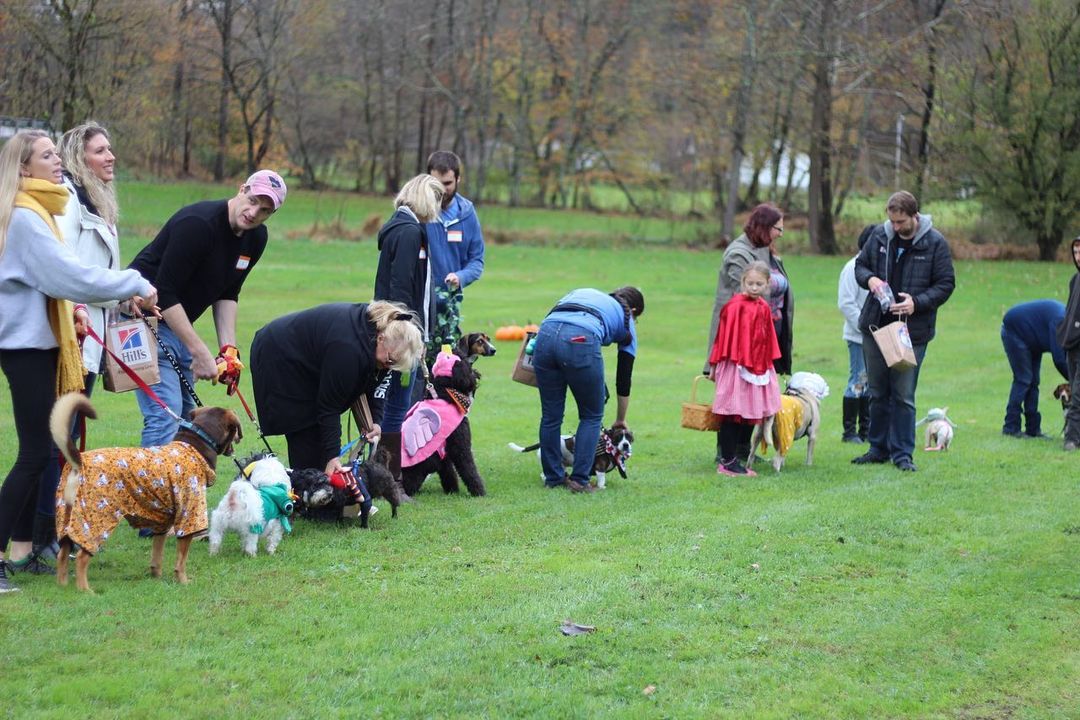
[(157, 488), (800, 416)]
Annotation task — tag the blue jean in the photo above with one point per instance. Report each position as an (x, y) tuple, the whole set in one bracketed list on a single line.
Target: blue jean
[(856, 384), (566, 356), (892, 403), (1024, 393), (398, 400), (158, 426)]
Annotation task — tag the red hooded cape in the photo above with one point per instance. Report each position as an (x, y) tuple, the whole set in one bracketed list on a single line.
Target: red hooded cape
[(746, 335)]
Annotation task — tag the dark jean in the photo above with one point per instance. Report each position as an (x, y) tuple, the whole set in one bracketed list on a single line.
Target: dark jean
[(399, 398), (1024, 393), (892, 403), (159, 426), (1072, 415), (568, 356), (856, 384)]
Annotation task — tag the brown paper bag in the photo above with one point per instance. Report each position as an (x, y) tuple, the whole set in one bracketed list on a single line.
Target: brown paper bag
[(523, 367), (895, 344), (133, 343)]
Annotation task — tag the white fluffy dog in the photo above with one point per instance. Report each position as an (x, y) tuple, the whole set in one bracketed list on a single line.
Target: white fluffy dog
[(257, 505)]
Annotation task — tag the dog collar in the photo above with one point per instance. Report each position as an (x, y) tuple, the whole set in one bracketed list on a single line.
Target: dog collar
[(203, 435)]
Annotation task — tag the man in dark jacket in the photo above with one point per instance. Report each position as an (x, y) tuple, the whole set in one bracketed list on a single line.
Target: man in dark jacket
[(904, 254), (1069, 337)]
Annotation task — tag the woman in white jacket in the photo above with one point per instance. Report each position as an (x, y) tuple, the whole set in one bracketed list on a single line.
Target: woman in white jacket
[(88, 227)]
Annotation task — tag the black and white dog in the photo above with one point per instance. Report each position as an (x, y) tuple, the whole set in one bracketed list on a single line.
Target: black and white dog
[(612, 451), (320, 498)]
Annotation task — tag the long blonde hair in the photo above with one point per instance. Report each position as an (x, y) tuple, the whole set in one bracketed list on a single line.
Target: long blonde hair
[(14, 155), (400, 329), (423, 195), (73, 153)]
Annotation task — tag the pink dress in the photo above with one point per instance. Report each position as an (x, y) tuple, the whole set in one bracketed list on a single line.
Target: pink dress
[(741, 400)]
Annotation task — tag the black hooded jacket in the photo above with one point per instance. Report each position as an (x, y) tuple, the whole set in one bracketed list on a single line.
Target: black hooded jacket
[(402, 275), (309, 367), (1068, 334)]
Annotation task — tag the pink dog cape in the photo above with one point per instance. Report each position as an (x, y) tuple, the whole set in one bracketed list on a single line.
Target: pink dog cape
[(425, 429)]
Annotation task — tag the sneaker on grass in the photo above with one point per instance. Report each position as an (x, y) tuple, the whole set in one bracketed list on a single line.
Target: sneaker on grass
[(5, 584)]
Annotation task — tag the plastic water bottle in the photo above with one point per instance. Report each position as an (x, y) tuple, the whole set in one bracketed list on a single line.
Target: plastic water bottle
[(884, 295)]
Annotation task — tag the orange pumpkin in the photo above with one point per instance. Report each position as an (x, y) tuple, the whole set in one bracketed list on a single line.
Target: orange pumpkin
[(531, 328)]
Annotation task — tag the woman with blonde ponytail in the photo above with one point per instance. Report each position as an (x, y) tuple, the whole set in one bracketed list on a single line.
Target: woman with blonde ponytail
[(39, 353)]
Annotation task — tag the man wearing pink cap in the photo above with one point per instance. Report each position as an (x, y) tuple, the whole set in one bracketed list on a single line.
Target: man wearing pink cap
[(202, 255)]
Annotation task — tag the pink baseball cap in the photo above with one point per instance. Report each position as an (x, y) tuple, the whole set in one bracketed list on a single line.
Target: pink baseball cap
[(267, 183)]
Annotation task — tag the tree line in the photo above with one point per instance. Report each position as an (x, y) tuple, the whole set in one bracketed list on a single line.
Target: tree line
[(799, 102)]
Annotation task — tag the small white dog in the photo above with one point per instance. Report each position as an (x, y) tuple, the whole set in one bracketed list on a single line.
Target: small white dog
[(939, 429), (257, 504)]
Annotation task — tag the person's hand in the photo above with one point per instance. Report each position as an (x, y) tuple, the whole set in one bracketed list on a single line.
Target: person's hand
[(905, 305), (874, 283), (148, 301), (333, 466), (203, 365), (619, 424), (375, 434), (452, 281), (82, 322), (228, 367)]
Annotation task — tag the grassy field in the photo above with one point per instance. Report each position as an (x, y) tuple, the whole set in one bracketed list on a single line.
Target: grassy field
[(830, 591)]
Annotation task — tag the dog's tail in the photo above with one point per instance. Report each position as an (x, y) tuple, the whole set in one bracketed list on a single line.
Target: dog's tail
[(63, 413), (517, 448)]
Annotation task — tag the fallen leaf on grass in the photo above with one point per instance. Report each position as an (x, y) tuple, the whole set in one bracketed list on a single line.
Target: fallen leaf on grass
[(755, 567), (569, 627), (649, 690)]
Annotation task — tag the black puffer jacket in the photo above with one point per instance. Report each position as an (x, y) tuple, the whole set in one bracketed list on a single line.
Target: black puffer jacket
[(925, 272), (402, 275)]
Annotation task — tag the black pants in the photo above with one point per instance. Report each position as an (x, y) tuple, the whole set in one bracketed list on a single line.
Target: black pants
[(305, 449), (31, 378)]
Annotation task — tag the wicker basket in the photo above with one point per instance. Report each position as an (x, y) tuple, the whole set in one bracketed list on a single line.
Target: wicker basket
[(697, 415)]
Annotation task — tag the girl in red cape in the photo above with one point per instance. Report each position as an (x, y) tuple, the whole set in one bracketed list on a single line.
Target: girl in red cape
[(742, 366)]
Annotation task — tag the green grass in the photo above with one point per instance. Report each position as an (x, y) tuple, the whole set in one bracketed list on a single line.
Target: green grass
[(830, 591)]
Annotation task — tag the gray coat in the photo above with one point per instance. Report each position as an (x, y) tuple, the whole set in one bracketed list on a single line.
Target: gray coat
[(740, 253)]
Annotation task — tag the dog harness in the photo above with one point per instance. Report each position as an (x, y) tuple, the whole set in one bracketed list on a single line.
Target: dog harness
[(606, 447)]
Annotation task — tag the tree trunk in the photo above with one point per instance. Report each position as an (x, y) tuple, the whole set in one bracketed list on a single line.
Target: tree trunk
[(822, 232), (225, 30)]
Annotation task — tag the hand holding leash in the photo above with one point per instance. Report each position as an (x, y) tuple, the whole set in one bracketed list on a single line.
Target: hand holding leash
[(228, 367)]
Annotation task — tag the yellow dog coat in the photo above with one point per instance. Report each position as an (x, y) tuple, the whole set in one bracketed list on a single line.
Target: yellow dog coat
[(786, 422)]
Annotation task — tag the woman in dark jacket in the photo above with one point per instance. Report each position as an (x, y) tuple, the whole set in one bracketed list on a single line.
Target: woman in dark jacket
[(309, 367), (404, 276), (763, 228)]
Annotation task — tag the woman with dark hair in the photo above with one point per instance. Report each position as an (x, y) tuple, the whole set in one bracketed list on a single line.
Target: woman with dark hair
[(567, 355), (757, 242)]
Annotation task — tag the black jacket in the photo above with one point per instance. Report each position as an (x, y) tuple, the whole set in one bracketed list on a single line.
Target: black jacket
[(402, 275), (1068, 333), (309, 367), (925, 271)]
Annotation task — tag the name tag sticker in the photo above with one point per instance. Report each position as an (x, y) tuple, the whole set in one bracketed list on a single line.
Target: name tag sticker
[(423, 253), (242, 262), (453, 236)]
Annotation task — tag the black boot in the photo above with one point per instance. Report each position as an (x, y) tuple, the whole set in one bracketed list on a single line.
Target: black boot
[(864, 417), (44, 537), (851, 419)]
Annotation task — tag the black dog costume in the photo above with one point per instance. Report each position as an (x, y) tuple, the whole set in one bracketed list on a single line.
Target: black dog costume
[(436, 437)]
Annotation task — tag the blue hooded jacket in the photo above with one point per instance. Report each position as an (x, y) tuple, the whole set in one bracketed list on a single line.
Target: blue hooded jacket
[(456, 243)]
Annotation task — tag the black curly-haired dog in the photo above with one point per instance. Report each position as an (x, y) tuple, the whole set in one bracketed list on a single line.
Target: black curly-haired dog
[(458, 387), (319, 500)]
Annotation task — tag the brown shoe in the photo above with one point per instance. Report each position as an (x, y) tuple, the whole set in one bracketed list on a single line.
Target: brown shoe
[(576, 487)]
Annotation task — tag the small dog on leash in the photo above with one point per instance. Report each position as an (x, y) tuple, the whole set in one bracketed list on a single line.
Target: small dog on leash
[(325, 499), (612, 451), (1063, 394), (799, 416), (939, 429), (156, 487), (257, 504), (475, 345)]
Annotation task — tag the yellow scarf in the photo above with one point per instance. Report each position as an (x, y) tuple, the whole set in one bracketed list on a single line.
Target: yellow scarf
[(47, 199)]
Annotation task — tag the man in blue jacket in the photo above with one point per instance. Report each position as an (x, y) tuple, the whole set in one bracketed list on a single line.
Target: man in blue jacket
[(1027, 331), (456, 245), (909, 256)]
